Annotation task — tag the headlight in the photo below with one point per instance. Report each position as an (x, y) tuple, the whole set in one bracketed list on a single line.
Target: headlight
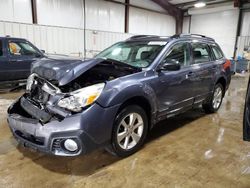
[(81, 98), (30, 81)]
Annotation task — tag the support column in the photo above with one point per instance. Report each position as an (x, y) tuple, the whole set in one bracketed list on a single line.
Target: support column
[(34, 11), (126, 16)]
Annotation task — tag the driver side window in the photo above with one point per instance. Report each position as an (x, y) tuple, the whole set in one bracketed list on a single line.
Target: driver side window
[(21, 48), (179, 53)]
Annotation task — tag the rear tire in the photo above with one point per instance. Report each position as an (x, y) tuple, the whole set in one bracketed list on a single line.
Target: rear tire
[(129, 131), (214, 102)]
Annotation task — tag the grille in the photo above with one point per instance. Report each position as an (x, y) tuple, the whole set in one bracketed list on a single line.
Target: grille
[(57, 144), (39, 94), (31, 138)]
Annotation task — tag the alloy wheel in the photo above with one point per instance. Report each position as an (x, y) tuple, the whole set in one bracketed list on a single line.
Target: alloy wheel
[(217, 98), (130, 131)]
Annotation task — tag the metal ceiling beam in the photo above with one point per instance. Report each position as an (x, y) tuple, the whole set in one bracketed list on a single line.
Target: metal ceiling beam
[(173, 11)]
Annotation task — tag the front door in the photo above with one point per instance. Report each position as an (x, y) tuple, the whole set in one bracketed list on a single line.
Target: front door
[(175, 91), (20, 56)]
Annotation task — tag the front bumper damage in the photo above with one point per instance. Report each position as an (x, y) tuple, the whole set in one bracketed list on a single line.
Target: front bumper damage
[(41, 131)]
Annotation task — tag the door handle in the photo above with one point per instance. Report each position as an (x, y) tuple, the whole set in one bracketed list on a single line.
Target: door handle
[(14, 61)]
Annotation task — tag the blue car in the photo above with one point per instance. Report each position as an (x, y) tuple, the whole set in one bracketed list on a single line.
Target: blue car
[(16, 57), (72, 107)]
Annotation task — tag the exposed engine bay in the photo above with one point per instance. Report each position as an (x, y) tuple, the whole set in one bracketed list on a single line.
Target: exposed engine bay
[(45, 99), (102, 72)]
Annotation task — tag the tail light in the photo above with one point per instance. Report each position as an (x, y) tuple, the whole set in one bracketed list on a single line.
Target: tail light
[(227, 64)]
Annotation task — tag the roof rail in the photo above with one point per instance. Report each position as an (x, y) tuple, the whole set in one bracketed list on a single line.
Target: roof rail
[(141, 36), (190, 35)]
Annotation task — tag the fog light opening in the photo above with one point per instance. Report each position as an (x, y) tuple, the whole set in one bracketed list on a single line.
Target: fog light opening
[(70, 145)]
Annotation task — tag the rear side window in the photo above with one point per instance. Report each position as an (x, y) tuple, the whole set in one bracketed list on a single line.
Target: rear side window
[(200, 53), (1, 48), (217, 52)]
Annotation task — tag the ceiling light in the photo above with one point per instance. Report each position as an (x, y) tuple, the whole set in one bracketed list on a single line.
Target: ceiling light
[(199, 4)]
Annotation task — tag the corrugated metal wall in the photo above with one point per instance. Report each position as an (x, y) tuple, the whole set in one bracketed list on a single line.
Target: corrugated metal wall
[(96, 41), (105, 16), (52, 39), (65, 13), (60, 27)]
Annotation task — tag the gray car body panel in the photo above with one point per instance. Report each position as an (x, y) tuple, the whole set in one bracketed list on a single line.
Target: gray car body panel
[(63, 70), (167, 92)]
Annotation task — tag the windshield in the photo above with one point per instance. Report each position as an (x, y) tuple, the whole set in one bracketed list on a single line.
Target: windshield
[(136, 53)]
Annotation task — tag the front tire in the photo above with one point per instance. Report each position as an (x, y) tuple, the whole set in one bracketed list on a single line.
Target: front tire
[(214, 102), (129, 131)]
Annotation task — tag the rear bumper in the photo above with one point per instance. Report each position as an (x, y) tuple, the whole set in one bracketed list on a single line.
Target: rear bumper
[(88, 131)]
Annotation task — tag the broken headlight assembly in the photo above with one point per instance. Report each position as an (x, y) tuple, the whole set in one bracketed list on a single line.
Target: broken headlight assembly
[(30, 81), (81, 98)]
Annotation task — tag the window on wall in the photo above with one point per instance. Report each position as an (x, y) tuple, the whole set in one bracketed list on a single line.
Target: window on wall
[(200, 53), (217, 52), (179, 53)]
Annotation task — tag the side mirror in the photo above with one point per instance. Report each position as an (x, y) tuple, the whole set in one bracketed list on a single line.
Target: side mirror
[(43, 51), (169, 65)]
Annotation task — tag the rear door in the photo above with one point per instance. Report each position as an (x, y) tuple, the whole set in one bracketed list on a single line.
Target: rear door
[(204, 69), (221, 60), (21, 54)]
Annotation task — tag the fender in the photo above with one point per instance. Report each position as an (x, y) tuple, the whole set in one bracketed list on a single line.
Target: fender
[(124, 91)]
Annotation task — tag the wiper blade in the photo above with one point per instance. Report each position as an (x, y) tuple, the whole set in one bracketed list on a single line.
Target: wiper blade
[(123, 63)]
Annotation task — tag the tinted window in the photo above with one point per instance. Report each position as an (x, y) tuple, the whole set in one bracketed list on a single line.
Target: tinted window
[(1, 48), (200, 52), (179, 53), (19, 48), (217, 52)]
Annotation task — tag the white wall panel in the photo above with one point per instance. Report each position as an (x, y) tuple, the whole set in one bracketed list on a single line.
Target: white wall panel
[(65, 13), (98, 41), (146, 22), (16, 11), (104, 16), (221, 26), (55, 40), (60, 40)]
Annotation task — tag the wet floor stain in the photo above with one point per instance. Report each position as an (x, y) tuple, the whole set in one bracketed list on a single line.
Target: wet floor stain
[(190, 150)]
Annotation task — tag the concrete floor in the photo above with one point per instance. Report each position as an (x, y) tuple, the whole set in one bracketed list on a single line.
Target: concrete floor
[(191, 150)]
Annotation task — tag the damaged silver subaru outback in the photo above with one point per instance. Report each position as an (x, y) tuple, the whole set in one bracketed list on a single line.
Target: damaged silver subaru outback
[(72, 107)]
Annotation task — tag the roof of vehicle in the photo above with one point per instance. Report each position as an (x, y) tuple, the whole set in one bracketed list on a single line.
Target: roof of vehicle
[(11, 38), (168, 38)]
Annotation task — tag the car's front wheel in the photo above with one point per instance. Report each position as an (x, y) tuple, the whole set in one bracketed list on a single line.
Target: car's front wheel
[(129, 131), (215, 100)]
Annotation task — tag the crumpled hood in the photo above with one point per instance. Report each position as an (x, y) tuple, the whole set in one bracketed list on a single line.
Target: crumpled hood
[(62, 69)]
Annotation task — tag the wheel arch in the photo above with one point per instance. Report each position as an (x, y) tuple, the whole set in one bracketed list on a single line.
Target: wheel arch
[(223, 82), (144, 103)]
